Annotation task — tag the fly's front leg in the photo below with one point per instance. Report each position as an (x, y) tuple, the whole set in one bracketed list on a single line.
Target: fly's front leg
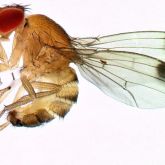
[(7, 64), (4, 66)]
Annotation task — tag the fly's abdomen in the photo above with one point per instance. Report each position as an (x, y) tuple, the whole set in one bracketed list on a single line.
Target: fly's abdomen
[(55, 95)]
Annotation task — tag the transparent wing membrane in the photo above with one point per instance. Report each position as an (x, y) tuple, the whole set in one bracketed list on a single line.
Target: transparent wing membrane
[(151, 43), (129, 67)]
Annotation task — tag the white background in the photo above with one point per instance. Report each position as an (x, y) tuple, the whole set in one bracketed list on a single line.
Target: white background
[(98, 130)]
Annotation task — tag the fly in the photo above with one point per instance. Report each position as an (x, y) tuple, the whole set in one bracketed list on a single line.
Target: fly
[(126, 66)]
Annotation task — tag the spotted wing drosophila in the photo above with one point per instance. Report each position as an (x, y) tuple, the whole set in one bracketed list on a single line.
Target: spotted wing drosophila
[(130, 67)]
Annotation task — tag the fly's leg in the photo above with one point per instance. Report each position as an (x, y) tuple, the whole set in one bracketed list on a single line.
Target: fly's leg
[(28, 87), (45, 88), (37, 102), (2, 96), (4, 66), (4, 125), (3, 91), (32, 87)]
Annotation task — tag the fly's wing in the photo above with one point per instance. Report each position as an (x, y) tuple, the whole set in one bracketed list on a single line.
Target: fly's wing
[(151, 43), (136, 79)]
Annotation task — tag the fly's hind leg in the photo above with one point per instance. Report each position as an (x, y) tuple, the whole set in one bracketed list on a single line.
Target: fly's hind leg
[(35, 91), (33, 110)]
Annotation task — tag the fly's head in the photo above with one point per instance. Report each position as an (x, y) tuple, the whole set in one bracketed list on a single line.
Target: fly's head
[(11, 17)]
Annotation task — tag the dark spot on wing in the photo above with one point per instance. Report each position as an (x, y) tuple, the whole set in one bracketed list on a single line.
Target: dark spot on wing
[(161, 69), (103, 62)]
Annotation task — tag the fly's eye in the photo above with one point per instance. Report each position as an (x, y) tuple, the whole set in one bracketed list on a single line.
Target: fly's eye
[(10, 18)]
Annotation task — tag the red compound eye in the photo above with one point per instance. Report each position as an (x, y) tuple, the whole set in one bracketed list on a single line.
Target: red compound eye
[(10, 18)]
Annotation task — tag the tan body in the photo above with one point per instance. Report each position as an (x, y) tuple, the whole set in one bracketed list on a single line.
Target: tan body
[(47, 52), (128, 67)]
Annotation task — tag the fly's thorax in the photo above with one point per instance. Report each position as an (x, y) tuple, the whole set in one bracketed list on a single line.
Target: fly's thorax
[(48, 30), (42, 30), (44, 45), (62, 92)]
